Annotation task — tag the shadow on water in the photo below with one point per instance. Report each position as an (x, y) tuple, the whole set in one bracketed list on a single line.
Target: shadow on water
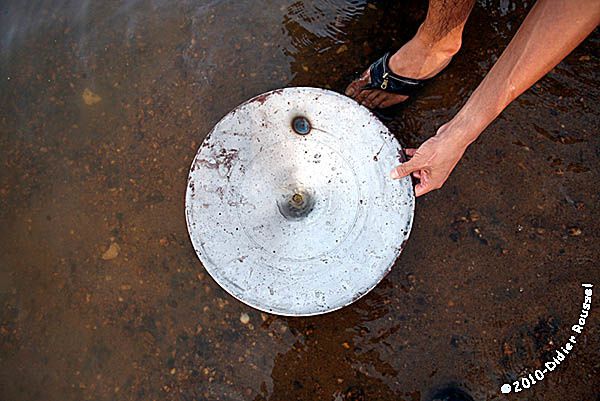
[(103, 106)]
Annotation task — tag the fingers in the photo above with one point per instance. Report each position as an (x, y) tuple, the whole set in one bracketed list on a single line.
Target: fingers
[(410, 151), (422, 188), (426, 184), (405, 169)]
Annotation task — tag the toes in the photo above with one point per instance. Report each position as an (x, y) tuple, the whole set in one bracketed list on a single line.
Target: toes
[(355, 87), (392, 100), (377, 100), (370, 99), (362, 95), (352, 89)]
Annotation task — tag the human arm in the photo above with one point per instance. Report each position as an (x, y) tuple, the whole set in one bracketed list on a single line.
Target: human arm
[(551, 30)]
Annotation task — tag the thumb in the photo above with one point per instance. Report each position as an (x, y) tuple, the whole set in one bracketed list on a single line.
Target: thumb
[(405, 169)]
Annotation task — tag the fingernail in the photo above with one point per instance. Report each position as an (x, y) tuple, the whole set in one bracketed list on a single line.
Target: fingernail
[(394, 174), (349, 92)]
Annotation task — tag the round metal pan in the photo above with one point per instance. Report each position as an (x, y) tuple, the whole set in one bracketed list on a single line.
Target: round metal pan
[(290, 206)]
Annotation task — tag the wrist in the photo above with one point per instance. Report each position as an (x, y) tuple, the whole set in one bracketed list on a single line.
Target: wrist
[(462, 130), (470, 121)]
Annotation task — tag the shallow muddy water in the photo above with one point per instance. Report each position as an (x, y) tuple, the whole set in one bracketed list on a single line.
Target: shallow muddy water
[(102, 108)]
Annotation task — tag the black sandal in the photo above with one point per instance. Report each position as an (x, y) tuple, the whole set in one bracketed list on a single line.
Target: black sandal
[(384, 79)]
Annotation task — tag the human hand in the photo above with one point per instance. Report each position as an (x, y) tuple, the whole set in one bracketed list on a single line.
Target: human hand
[(434, 160)]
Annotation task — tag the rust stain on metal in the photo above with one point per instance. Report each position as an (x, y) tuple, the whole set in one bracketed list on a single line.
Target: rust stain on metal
[(225, 158), (262, 98), (307, 265)]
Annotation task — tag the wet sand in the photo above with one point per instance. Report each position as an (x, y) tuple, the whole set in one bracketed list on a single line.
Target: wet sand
[(102, 108)]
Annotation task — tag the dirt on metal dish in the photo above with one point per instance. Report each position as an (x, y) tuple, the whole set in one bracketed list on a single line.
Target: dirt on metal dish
[(290, 206)]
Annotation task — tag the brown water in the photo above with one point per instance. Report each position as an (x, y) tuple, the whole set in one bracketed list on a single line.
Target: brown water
[(486, 289)]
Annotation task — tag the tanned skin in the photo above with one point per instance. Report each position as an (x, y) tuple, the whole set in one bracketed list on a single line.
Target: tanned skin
[(551, 30)]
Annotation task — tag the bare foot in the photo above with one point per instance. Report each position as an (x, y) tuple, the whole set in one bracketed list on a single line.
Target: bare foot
[(416, 59)]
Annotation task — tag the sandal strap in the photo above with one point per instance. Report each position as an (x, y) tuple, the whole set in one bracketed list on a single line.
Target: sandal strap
[(383, 78)]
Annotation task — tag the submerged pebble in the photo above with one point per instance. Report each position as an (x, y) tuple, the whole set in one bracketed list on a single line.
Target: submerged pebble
[(90, 98), (112, 251), (244, 318)]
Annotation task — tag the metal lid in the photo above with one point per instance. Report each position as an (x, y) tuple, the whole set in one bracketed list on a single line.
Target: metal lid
[(290, 206)]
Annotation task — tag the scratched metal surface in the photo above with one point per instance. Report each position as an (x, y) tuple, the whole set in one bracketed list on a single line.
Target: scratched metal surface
[(333, 247)]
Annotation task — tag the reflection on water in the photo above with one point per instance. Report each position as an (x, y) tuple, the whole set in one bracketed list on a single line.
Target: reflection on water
[(22, 20), (308, 22), (102, 108)]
